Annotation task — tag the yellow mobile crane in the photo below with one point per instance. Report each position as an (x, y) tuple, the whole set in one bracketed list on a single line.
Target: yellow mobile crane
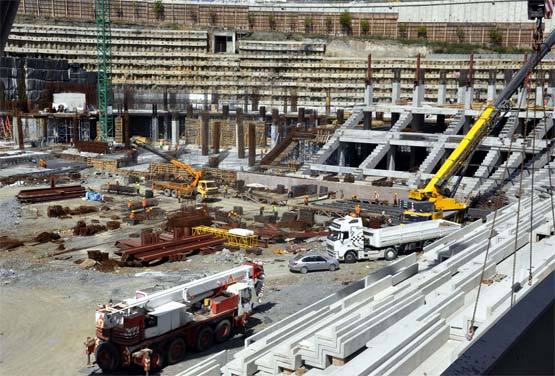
[(197, 188), (431, 201)]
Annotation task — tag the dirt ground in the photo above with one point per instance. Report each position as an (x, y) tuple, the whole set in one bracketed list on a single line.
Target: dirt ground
[(47, 303)]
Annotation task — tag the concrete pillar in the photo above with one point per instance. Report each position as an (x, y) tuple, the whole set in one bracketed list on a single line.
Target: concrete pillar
[(285, 103), (412, 157), (340, 116), (440, 122), (300, 118), (255, 98), (125, 125), (294, 101), (463, 79), (394, 117), (205, 132), (252, 144), (262, 113), (418, 91), (316, 118), (368, 89), (342, 155), (45, 129), (76, 128), (154, 131), (225, 111), (468, 96), (328, 103), (239, 134), (391, 158), (312, 119), (508, 75), (190, 112), (274, 130), (492, 80), (367, 120), (442, 88), (216, 128), (20, 136), (246, 103), (396, 85), (551, 87), (539, 96), (468, 121), (175, 129), (418, 121)]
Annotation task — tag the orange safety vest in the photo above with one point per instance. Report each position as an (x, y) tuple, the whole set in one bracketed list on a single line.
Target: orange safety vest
[(132, 216), (357, 209), (143, 202), (129, 204)]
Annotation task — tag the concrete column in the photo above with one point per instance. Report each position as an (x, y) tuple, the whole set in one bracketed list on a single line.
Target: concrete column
[(463, 79), (20, 136), (225, 111), (205, 132), (442, 88), (551, 87), (300, 118), (252, 144), (239, 134), (368, 89), (45, 129), (328, 103), (246, 103), (367, 120), (262, 113), (468, 95), (190, 112), (391, 157), (340, 116), (342, 155), (394, 117), (316, 119), (285, 103), (274, 130), (126, 130), (396, 85), (441, 122), (312, 119), (418, 91), (76, 128), (468, 121), (175, 129), (412, 157), (167, 124), (294, 101), (216, 137), (255, 98), (154, 131), (539, 96), (492, 80)]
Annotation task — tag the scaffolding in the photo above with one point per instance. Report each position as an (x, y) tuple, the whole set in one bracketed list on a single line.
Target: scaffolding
[(230, 239), (104, 64)]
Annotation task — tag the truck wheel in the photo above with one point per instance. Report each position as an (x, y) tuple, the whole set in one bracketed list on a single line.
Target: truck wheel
[(176, 350), (107, 357), (204, 338), (332, 268), (350, 257), (160, 361), (222, 331), (167, 192), (390, 254), (199, 198), (304, 270), (174, 193)]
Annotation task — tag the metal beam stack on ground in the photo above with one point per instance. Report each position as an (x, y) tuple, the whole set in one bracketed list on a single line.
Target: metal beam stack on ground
[(412, 316)]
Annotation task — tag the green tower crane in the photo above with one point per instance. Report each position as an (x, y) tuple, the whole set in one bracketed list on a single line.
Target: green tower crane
[(104, 61)]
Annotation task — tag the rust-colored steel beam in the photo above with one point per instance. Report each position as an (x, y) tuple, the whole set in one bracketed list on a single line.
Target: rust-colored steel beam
[(157, 246), (186, 248), (50, 194)]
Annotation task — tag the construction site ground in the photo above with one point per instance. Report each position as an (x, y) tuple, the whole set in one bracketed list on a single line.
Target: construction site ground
[(45, 295)]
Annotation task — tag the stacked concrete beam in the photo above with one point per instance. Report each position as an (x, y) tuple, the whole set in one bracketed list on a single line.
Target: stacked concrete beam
[(401, 319)]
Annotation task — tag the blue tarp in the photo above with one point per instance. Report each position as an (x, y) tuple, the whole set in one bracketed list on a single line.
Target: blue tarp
[(93, 196)]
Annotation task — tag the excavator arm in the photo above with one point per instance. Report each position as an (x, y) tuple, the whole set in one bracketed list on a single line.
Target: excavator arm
[(435, 191), (196, 175)]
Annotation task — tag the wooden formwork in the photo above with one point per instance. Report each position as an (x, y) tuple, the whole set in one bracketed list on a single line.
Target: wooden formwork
[(227, 132), (103, 164), (158, 169)]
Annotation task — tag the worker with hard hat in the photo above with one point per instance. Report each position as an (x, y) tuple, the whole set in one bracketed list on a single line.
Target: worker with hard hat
[(143, 202), (129, 204), (357, 210), (261, 209), (305, 200), (275, 211), (395, 199), (376, 197), (132, 217), (108, 185), (226, 188), (42, 163), (138, 187)]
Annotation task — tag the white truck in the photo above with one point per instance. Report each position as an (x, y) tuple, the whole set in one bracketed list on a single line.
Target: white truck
[(348, 240)]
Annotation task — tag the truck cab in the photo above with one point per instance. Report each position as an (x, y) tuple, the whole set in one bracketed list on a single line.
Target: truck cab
[(208, 189), (345, 238)]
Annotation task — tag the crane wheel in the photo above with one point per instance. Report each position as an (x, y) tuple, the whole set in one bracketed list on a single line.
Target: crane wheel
[(160, 360), (176, 350), (390, 254), (222, 331), (205, 336), (107, 357)]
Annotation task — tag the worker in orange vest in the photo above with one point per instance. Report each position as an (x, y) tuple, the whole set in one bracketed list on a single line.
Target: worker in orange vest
[(395, 199), (376, 197), (108, 185), (357, 210), (42, 163), (129, 204), (305, 200), (143, 202), (132, 217)]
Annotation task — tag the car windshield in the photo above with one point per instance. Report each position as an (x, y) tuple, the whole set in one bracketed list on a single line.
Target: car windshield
[(211, 184), (334, 235), (298, 257)]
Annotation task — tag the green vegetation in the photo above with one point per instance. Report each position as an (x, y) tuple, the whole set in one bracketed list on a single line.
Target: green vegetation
[(329, 24), (364, 27), (496, 36), (422, 32), (308, 24), (159, 9), (272, 21), (345, 20), (458, 48)]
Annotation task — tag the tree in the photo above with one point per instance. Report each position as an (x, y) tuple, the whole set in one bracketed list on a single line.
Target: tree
[(460, 34), (496, 36), (159, 9), (308, 23), (251, 19), (272, 21), (364, 27), (422, 32), (403, 28), (329, 24), (345, 21)]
